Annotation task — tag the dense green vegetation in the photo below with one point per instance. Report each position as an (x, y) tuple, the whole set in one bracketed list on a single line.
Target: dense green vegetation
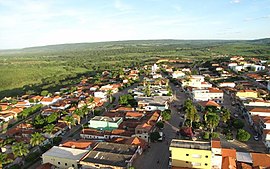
[(43, 68)]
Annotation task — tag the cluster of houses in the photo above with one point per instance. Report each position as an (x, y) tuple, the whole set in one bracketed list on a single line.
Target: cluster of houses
[(63, 103), (211, 155), (117, 136)]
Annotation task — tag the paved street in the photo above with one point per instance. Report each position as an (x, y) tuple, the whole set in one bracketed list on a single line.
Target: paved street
[(159, 151), (251, 145)]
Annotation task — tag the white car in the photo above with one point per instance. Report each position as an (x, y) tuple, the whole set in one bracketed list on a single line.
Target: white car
[(256, 138), (235, 115)]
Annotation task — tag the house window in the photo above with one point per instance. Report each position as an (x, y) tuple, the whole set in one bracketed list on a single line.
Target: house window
[(196, 164), (205, 164), (73, 165), (186, 161), (65, 164), (145, 136), (187, 154), (206, 156), (196, 156), (59, 163)]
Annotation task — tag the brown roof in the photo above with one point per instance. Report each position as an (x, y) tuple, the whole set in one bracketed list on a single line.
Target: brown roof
[(260, 159), (80, 144), (48, 99), (134, 114), (228, 163), (144, 126), (136, 141), (215, 144), (215, 90), (209, 103), (265, 110), (45, 166), (124, 109), (225, 152)]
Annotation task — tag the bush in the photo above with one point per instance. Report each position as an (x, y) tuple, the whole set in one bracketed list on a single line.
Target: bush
[(206, 135), (45, 147), (242, 135), (229, 136), (238, 124), (160, 125), (154, 136), (97, 112), (15, 166), (166, 115), (215, 135), (196, 125), (57, 140), (32, 156)]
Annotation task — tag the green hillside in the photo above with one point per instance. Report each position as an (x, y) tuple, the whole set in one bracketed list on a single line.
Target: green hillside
[(50, 65)]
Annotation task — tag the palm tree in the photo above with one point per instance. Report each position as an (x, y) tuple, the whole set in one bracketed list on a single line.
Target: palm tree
[(4, 160), (36, 139), (91, 101), (50, 128), (226, 115), (191, 112), (109, 93), (69, 120), (212, 120), (80, 113), (20, 149)]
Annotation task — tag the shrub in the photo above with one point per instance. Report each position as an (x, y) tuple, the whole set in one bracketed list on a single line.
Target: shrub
[(229, 136), (154, 136), (15, 166), (32, 156), (206, 135), (97, 112), (215, 135), (57, 140), (242, 135), (238, 124), (160, 125)]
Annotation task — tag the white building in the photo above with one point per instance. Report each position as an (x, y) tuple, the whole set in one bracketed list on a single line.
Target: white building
[(63, 157), (178, 74), (207, 94), (227, 84)]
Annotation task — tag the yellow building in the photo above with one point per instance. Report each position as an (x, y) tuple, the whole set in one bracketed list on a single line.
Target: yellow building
[(190, 154), (247, 93)]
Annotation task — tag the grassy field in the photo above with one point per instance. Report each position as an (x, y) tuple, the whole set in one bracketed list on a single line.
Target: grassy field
[(23, 68)]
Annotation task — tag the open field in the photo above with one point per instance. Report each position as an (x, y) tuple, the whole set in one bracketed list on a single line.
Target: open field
[(22, 68)]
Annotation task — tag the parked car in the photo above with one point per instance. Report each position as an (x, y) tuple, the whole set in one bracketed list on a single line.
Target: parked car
[(235, 115), (256, 138)]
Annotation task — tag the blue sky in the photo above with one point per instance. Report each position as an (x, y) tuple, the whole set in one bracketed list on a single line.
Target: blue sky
[(25, 23)]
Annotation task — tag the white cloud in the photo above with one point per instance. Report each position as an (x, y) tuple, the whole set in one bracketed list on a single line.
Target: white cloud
[(120, 5), (235, 1)]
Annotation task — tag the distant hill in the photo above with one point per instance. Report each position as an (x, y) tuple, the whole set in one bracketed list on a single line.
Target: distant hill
[(110, 44)]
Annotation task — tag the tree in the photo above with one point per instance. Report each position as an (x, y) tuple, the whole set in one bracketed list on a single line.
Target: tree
[(20, 149), (50, 128), (109, 93), (79, 113), (69, 120), (44, 93), (147, 90), (242, 135), (238, 124), (36, 139), (4, 159), (226, 115), (160, 125), (166, 115), (191, 112), (212, 120), (154, 136), (52, 118)]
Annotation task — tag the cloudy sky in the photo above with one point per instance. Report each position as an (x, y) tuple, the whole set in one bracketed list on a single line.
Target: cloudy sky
[(25, 23)]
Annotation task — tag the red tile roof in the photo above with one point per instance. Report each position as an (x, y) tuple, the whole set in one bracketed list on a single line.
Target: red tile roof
[(80, 144), (228, 153), (260, 159)]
